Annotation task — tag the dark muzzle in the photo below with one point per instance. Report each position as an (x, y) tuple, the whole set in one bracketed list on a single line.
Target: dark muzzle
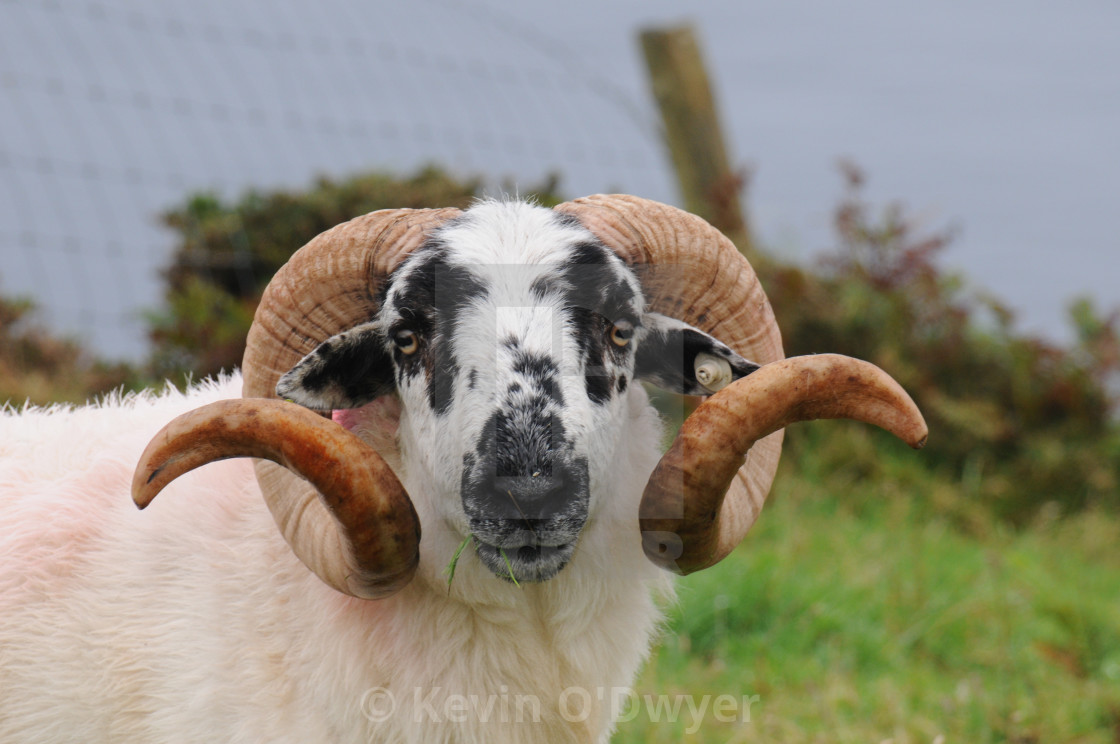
[(526, 494)]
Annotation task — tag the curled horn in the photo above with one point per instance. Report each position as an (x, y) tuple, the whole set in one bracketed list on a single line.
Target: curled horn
[(362, 493), (683, 503), (689, 270), (329, 285)]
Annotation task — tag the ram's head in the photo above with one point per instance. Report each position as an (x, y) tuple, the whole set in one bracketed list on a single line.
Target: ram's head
[(513, 336)]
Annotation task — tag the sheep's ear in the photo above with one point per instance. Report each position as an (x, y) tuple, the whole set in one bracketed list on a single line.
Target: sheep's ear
[(673, 355), (345, 371)]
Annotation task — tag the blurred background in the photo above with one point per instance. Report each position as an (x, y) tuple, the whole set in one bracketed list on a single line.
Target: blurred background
[(998, 120), (930, 188)]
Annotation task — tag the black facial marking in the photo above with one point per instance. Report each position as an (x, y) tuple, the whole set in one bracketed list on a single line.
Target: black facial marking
[(361, 370), (665, 357), (441, 379), (592, 276), (536, 367), (591, 332), (345, 371), (622, 383), (589, 253), (545, 286), (472, 381), (525, 439), (596, 294), (590, 328), (519, 440), (568, 220), (618, 301), (541, 371), (433, 293), (598, 388)]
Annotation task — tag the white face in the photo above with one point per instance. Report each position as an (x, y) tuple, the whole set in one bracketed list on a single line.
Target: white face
[(513, 338)]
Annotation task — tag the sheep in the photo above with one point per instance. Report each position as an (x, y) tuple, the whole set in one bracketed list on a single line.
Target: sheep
[(459, 512)]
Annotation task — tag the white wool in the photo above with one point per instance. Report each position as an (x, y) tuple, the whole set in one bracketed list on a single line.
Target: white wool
[(193, 621)]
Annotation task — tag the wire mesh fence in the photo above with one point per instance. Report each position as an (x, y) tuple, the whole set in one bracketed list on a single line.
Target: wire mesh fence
[(114, 112)]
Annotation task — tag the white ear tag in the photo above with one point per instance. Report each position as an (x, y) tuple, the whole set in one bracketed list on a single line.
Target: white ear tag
[(712, 372)]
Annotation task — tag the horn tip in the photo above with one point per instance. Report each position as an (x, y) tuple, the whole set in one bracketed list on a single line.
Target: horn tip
[(381, 586), (664, 548), (142, 491)]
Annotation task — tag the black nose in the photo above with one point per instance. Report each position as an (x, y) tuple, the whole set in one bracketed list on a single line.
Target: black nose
[(524, 469), (543, 506), (534, 496)]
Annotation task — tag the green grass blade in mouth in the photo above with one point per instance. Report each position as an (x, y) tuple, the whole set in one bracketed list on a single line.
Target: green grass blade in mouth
[(509, 567), (450, 570)]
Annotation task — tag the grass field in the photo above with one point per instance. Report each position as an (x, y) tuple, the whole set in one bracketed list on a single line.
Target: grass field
[(867, 609)]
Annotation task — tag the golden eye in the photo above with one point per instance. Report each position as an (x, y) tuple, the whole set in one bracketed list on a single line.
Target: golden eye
[(621, 332), (406, 341)]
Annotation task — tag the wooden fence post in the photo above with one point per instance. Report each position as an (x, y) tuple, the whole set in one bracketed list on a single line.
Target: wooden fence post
[(709, 185)]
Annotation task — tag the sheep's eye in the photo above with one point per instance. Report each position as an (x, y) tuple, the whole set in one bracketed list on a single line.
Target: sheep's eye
[(621, 332), (407, 341)]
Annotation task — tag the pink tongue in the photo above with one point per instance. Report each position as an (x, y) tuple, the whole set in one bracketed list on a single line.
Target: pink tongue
[(382, 414), (345, 417)]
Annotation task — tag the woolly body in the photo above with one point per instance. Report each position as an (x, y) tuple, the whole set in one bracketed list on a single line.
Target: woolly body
[(196, 622), (193, 621)]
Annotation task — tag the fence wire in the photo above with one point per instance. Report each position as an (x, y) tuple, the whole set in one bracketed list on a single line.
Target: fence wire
[(113, 111)]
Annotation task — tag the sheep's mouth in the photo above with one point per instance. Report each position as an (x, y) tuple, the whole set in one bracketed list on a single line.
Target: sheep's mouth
[(529, 563), (531, 550), (526, 526)]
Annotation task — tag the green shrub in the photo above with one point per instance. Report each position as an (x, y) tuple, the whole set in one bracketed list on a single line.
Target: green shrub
[(1019, 422), (39, 368), (1030, 422), (227, 253)]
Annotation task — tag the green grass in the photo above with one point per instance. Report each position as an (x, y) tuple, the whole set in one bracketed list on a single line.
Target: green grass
[(875, 612)]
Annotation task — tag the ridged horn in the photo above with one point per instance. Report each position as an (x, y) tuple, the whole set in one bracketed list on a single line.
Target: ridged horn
[(691, 271), (329, 285), (362, 493), (683, 505)]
